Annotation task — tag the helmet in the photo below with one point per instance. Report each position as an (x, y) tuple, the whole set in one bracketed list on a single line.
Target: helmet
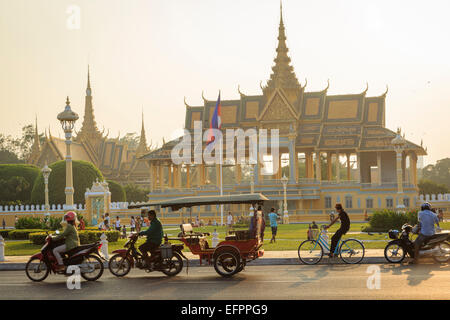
[(70, 216), (425, 206)]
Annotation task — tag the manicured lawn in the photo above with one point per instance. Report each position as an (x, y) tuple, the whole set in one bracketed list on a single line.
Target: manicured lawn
[(288, 238)]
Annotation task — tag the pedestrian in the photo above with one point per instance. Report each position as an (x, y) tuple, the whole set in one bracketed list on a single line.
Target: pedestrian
[(132, 224), (138, 224), (314, 225), (16, 220), (229, 220), (273, 216), (118, 226), (107, 221), (441, 215), (263, 226), (82, 224), (124, 232), (4, 224), (309, 234)]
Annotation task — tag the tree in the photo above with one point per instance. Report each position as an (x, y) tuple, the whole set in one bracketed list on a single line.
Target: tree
[(438, 173), (84, 175), (430, 187), (16, 182), (117, 192), (20, 147), (135, 193), (8, 157)]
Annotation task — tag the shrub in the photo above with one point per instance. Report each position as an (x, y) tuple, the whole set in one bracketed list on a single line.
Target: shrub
[(4, 233), (29, 223), (117, 192), (84, 175), (86, 236), (383, 221), (16, 181), (135, 193), (22, 234), (89, 236), (37, 237)]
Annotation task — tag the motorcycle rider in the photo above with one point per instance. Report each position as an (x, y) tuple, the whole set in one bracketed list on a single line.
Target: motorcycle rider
[(70, 235), (427, 219), (154, 236)]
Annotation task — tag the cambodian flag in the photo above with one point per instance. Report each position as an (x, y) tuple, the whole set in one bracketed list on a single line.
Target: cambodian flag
[(216, 122)]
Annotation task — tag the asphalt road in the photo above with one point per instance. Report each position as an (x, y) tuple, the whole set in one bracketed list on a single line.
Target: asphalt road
[(425, 281)]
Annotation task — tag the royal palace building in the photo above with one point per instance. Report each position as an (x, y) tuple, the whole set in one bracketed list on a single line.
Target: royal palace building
[(333, 148)]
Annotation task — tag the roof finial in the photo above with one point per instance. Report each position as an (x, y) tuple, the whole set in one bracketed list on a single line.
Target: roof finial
[(185, 103), (89, 79), (67, 101), (239, 90), (203, 97)]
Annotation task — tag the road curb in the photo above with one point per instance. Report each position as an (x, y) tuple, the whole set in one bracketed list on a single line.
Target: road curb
[(5, 266)]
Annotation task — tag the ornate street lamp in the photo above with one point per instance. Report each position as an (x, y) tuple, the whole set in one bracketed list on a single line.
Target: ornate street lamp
[(46, 173), (67, 119), (284, 181), (398, 142)]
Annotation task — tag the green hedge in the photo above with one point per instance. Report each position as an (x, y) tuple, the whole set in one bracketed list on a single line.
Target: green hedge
[(383, 221), (37, 237), (4, 233), (22, 234), (17, 182), (84, 175), (117, 191), (86, 236)]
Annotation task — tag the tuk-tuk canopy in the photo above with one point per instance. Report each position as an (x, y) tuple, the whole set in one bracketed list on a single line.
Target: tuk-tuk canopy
[(187, 202)]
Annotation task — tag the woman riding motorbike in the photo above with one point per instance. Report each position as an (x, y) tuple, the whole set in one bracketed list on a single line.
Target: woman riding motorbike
[(70, 235)]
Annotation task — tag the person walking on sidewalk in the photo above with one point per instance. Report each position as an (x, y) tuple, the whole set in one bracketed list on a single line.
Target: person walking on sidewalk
[(345, 226), (273, 216)]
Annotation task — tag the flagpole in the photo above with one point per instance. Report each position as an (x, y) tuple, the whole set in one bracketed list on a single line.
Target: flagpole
[(221, 179)]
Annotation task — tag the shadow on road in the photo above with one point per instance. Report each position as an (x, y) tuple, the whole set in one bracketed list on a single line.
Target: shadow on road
[(416, 273)]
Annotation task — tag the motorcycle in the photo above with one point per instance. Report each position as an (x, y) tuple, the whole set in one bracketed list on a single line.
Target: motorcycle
[(438, 246), (86, 257), (168, 259)]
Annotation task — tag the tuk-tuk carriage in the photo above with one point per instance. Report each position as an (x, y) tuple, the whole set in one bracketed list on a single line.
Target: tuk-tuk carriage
[(239, 247)]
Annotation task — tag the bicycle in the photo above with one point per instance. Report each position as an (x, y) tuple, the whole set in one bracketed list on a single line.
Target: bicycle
[(311, 252)]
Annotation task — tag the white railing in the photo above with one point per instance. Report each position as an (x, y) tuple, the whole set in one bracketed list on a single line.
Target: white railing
[(435, 197)]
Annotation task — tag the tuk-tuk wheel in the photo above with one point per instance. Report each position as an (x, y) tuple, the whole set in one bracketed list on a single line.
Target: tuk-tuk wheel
[(227, 263)]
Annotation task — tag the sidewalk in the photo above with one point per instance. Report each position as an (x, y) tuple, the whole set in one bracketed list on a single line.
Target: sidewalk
[(289, 257)]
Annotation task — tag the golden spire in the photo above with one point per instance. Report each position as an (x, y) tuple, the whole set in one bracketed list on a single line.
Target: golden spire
[(89, 129), (36, 147), (142, 147), (283, 75), (36, 144)]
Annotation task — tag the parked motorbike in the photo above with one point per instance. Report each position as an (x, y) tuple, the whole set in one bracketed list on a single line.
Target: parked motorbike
[(168, 259), (438, 246), (86, 257)]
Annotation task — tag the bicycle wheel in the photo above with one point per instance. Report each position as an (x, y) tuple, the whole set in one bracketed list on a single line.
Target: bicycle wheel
[(351, 251), (310, 252)]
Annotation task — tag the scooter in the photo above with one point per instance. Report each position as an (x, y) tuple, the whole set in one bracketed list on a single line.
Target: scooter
[(168, 259), (86, 257), (438, 246)]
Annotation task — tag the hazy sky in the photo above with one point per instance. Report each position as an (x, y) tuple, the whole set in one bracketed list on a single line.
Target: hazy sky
[(150, 54)]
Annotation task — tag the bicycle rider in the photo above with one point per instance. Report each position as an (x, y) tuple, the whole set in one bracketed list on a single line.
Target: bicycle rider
[(345, 226)]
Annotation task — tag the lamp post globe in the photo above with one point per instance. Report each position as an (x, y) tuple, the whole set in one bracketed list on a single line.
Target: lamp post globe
[(68, 119), (46, 174)]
